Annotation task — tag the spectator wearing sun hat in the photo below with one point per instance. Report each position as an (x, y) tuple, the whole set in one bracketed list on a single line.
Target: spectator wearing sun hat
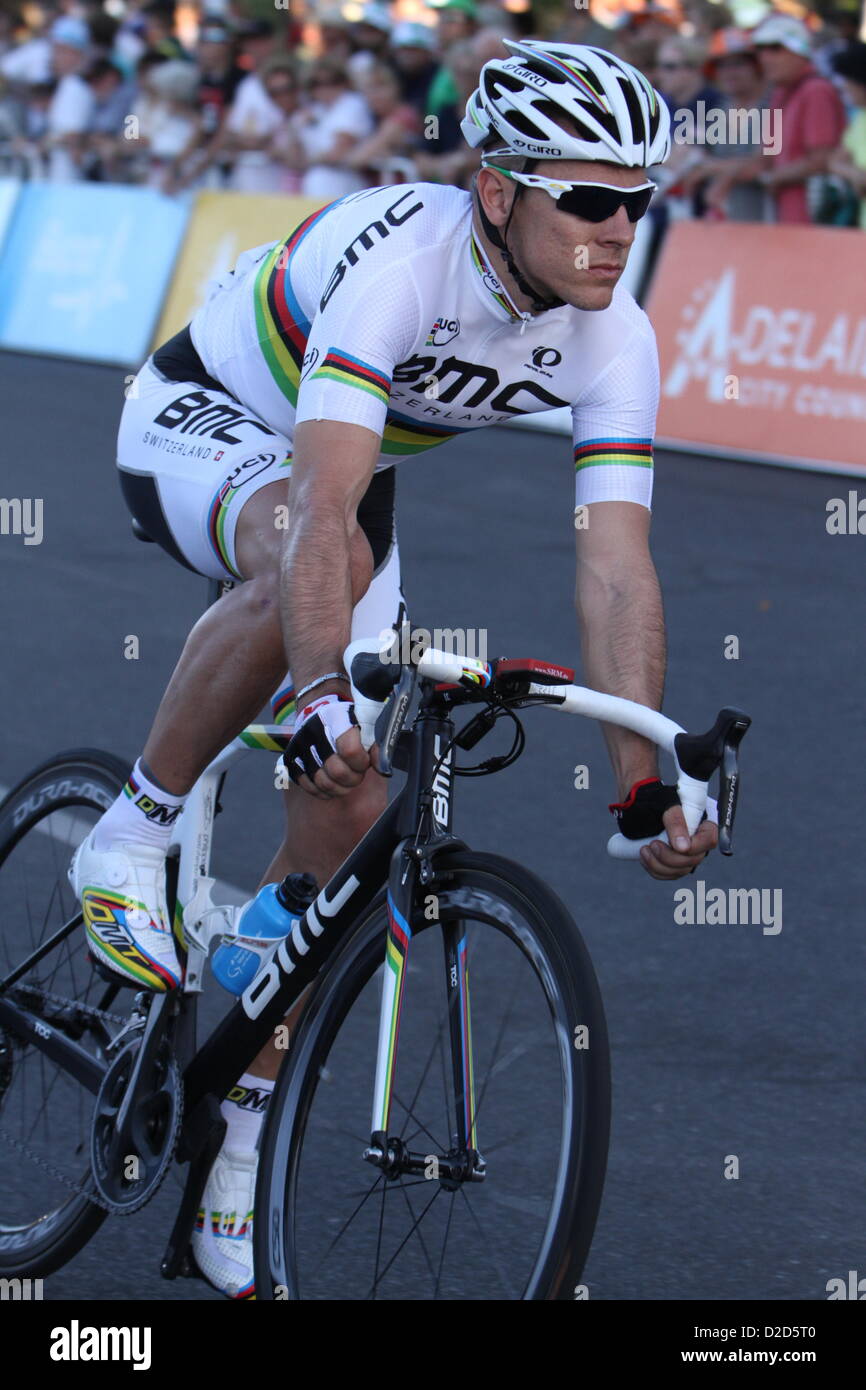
[(71, 106), (414, 49), (732, 65), (370, 34), (809, 119), (456, 21)]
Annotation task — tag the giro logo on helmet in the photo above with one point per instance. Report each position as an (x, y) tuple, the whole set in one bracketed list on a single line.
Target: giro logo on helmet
[(550, 150)]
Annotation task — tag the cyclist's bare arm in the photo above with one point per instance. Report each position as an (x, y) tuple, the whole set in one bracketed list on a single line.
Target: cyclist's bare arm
[(327, 566), (622, 633)]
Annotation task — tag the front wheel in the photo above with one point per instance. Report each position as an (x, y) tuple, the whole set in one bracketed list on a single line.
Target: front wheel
[(327, 1225)]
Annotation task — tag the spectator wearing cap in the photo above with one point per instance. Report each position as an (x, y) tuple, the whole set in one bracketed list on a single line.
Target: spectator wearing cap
[(808, 116), (219, 74), (335, 37), (159, 35), (256, 40), (329, 128), (413, 47), (448, 159), (680, 77), (71, 106), (173, 123), (218, 78), (456, 21), (112, 99), (732, 66), (370, 34), (398, 125), (850, 162)]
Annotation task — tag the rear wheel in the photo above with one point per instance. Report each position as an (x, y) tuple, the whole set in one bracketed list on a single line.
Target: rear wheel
[(328, 1226), (45, 1113)]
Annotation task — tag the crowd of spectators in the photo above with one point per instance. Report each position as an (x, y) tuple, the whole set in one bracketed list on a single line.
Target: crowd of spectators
[(342, 98)]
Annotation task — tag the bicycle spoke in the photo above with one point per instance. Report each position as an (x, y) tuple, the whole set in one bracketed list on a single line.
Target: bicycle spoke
[(423, 1127), (402, 1188), (495, 1261), (444, 1246), (414, 1227)]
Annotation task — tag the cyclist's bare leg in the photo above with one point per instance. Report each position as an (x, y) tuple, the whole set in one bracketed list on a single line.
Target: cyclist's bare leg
[(233, 661), (319, 836), (234, 657)]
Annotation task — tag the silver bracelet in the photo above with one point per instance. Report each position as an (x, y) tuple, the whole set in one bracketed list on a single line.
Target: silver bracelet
[(320, 680)]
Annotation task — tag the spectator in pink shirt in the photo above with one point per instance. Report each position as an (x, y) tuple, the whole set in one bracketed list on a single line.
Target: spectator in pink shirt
[(807, 114)]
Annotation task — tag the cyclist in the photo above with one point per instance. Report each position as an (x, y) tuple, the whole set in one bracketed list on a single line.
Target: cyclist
[(385, 324)]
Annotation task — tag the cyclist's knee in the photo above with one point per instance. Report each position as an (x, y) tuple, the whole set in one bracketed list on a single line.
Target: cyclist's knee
[(261, 596), (258, 541)]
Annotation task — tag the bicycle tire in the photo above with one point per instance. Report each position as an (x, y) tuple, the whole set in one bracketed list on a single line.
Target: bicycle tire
[(571, 974), (92, 779)]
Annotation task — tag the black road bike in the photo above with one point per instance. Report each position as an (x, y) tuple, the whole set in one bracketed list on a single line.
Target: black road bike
[(477, 1171)]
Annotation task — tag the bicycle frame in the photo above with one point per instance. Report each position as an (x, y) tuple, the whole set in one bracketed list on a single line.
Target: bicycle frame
[(383, 856)]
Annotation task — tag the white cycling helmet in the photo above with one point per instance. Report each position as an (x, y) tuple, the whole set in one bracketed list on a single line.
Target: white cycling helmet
[(619, 115)]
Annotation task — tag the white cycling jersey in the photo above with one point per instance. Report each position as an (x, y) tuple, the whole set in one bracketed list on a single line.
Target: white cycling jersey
[(381, 310)]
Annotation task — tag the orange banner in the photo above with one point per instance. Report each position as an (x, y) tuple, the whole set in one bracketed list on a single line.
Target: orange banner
[(762, 342)]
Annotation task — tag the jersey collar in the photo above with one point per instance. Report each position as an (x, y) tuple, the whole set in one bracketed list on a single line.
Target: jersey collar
[(492, 289)]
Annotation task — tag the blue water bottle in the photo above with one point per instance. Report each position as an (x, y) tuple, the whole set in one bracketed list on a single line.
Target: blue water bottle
[(267, 919)]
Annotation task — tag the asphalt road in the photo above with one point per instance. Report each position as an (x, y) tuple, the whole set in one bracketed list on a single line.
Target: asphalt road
[(726, 1039)]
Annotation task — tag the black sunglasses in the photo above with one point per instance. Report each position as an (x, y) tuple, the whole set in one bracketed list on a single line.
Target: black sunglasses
[(591, 202)]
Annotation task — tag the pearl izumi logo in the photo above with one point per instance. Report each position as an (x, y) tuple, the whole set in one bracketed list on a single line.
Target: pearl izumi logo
[(544, 357), (442, 332), (77, 1343)]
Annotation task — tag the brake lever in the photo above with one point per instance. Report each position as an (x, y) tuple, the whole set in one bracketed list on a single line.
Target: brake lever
[(700, 754), (390, 722), (729, 784)]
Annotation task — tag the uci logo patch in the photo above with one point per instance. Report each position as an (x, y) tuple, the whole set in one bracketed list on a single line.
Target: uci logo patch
[(442, 332)]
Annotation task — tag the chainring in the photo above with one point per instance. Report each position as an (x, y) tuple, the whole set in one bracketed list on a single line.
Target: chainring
[(128, 1173)]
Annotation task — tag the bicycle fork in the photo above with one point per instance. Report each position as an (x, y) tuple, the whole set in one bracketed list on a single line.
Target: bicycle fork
[(463, 1162)]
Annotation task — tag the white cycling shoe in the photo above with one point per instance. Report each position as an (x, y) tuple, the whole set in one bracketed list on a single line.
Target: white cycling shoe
[(122, 895), (222, 1242)]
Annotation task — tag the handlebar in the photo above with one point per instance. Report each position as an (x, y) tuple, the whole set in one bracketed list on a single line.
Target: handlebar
[(382, 693)]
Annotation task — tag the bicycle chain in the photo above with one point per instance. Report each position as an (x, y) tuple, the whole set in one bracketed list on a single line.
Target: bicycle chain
[(55, 1173), (67, 1182)]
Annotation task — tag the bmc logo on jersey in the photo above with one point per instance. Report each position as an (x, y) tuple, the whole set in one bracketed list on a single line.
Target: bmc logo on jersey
[(350, 256), (442, 332), (473, 384)]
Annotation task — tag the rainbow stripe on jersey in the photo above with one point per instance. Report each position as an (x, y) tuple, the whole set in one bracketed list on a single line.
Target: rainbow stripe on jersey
[(592, 453), (283, 328)]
